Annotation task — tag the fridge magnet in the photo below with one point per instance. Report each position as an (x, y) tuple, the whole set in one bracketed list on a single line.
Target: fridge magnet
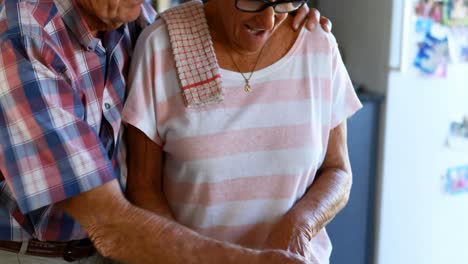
[(432, 56), (423, 25), (431, 9), (458, 135), (458, 44), (455, 12), (455, 181)]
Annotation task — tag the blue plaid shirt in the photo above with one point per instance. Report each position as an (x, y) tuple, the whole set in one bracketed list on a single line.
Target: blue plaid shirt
[(61, 97)]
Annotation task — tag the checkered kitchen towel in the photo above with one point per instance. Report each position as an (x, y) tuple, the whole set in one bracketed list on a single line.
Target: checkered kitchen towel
[(194, 54)]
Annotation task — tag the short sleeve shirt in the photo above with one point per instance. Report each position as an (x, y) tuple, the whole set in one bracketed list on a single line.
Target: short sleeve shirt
[(61, 96), (232, 169)]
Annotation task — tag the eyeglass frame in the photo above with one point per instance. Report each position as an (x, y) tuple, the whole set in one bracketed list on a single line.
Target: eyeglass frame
[(267, 4)]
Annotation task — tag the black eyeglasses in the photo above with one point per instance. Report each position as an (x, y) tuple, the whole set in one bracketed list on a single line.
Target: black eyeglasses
[(280, 6)]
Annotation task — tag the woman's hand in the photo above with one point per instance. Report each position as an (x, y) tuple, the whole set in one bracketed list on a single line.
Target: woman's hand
[(293, 236), (312, 18), (327, 195)]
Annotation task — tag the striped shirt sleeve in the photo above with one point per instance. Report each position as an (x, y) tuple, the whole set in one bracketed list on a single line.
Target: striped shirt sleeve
[(344, 99)]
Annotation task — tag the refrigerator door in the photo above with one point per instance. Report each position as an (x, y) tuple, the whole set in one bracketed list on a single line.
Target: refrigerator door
[(418, 222)]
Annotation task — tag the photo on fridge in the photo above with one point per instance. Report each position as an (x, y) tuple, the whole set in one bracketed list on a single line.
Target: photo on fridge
[(456, 12)]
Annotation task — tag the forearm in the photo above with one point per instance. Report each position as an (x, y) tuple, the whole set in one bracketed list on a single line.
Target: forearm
[(324, 199), (132, 235), (148, 238), (330, 190), (144, 184), (152, 202)]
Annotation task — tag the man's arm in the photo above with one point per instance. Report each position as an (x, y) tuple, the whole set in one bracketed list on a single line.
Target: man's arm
[(126, 233), (129, 234), (327, 195)]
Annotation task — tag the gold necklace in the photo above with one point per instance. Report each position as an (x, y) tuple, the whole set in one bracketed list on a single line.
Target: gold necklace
[(247, 87)]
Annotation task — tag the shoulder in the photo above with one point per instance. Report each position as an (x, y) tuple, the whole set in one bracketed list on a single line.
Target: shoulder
[(26, 27), (26, 18), (154, 36), (182, 15), (318, 41)]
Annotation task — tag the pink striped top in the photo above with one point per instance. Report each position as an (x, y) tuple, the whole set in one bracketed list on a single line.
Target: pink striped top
[(232, 169)]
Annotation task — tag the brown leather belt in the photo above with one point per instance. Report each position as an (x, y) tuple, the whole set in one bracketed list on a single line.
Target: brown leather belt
[(69, 251)]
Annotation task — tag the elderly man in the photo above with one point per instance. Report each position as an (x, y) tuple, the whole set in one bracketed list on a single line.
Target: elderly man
[(63, 66)]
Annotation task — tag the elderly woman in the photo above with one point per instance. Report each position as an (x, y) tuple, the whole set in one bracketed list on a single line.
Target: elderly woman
[(263, 163)]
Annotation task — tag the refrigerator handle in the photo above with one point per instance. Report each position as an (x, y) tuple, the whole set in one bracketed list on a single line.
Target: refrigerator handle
[(405, 20)]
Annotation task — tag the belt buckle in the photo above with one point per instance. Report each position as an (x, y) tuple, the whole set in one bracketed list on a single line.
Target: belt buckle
[(78, 249)]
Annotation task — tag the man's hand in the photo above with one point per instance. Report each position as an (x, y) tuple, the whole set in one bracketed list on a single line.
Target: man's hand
[(312, 18)]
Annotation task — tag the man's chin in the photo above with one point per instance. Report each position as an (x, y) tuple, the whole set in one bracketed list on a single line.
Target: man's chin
[(103, 27), (114, 24)]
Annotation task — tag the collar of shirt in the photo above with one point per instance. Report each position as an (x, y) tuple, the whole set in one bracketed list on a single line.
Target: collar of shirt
[(68, 10)]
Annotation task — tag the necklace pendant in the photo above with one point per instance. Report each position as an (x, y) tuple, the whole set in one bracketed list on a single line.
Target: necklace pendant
[(247, 88)]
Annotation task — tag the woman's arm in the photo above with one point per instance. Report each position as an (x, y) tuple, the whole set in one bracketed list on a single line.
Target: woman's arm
[(330, 191), (327, 195), (144, 185)]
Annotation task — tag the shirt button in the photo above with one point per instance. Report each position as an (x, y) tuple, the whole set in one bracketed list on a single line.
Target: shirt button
[(107, 106)]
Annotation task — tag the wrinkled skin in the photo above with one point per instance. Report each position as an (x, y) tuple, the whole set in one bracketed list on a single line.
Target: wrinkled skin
[(105, 15), (292, 237), (311, 18)]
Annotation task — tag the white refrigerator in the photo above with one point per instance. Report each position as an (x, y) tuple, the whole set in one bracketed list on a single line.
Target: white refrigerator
[(417, 220)]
